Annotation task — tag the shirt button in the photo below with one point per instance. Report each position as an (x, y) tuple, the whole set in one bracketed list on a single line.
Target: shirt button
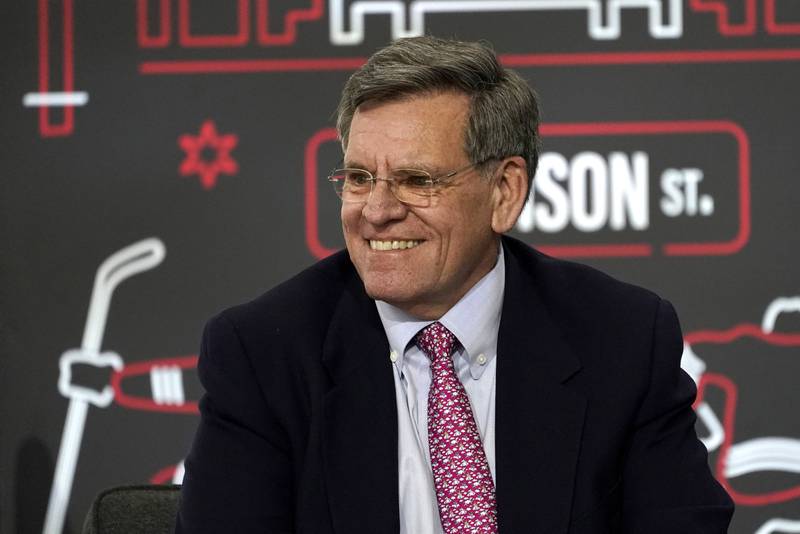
[(481, 359), (393, 356)]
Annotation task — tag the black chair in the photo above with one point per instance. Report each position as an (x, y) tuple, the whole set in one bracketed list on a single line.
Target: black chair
[(134, 510)]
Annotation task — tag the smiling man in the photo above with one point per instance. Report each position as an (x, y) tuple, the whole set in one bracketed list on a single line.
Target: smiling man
[(452, 227), (438, 376)]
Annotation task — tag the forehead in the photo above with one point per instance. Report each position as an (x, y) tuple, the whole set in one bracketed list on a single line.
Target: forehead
[(426, 128)]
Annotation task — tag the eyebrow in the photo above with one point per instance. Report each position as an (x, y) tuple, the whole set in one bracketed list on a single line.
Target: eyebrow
[(417, 165), (353, 165)]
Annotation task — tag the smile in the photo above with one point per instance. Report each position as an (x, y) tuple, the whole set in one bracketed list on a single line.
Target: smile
[(374, 244)]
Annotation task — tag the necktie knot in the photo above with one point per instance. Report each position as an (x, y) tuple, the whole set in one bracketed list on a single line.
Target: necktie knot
[(436, 341)]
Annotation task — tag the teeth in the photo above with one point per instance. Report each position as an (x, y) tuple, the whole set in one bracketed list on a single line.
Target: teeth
[(374, 244)]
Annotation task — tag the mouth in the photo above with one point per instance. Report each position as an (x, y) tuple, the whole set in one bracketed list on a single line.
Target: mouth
[(375, 244)]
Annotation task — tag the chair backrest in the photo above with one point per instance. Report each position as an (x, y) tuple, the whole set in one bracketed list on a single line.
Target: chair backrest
[(133, 509)]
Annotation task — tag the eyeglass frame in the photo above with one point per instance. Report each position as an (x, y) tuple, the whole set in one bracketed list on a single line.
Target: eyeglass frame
[(433, 181)]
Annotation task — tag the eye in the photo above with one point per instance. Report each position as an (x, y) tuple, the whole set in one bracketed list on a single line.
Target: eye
[(419, 180), (412, 178), (356, 178)]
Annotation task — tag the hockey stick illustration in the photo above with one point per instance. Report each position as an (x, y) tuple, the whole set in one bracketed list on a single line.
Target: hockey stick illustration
[(123, 264)]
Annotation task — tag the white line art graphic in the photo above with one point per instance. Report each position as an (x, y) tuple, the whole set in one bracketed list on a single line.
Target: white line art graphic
[(123, 264), (759, 454), (769, 453), (180, 469), (55, 99), (716, 432), (779, 526), (776, 307), (101, 399), (166, 383), (695, 367), (414, 24), (763, 454)]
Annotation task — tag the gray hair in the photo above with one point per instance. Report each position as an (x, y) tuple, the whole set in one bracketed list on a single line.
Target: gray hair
[(503, 117)]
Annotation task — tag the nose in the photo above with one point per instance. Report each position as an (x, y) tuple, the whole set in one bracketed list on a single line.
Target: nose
[(382, 206)]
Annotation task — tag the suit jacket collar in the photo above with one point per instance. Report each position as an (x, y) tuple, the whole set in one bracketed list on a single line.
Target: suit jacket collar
[(539, 420), (360, 418)]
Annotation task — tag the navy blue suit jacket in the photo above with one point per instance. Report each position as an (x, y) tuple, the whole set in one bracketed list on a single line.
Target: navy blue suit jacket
[(594, 425)]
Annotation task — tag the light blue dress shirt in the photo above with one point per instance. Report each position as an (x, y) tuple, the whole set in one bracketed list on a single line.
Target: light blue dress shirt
[(475, 321)]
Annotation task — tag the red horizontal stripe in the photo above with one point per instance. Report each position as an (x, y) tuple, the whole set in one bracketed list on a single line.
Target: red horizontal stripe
[(509, 60)]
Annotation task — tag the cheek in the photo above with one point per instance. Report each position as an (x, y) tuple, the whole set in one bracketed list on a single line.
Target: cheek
[(350, 217), (461, 225), (467, 233)]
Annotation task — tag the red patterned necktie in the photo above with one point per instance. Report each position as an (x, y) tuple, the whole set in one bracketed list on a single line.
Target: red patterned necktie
[(464, 486)]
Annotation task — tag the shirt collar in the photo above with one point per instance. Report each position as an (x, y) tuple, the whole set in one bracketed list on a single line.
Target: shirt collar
[(474, 320)]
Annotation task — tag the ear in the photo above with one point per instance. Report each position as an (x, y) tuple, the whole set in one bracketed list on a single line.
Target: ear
[(509, 194)]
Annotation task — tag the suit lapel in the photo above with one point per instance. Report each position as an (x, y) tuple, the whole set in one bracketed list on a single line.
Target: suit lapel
[(360, 419), (538, 419)]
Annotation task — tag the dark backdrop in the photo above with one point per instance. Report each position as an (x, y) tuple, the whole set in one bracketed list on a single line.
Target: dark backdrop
[(193, 137)]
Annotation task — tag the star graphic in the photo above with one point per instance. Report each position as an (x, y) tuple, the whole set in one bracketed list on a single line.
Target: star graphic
[(208, 154)]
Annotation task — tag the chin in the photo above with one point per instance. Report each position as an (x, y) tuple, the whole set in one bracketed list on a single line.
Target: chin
[(378, 289), (380, 292)]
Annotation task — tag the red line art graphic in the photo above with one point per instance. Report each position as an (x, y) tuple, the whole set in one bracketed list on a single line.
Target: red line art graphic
[(743, 235), (290, 21), (744, 330), (250, 66), (143, 36), (149, 404), (312, 202), (680, 127), (647, 58), (46, 127), (663, 128), (731, 246), (208, 139), (240, 38), (773, 26), (163, 476), (598, 251), (724, 25), (728, 418), (590, 59)]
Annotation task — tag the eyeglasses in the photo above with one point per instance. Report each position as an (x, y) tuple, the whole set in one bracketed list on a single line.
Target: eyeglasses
[(413, 187)]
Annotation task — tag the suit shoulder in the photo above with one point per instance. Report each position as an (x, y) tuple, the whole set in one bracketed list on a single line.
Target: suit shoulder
[(581, 289), (307, 299)]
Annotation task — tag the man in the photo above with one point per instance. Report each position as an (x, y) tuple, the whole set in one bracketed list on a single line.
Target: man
[(437, 377)]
